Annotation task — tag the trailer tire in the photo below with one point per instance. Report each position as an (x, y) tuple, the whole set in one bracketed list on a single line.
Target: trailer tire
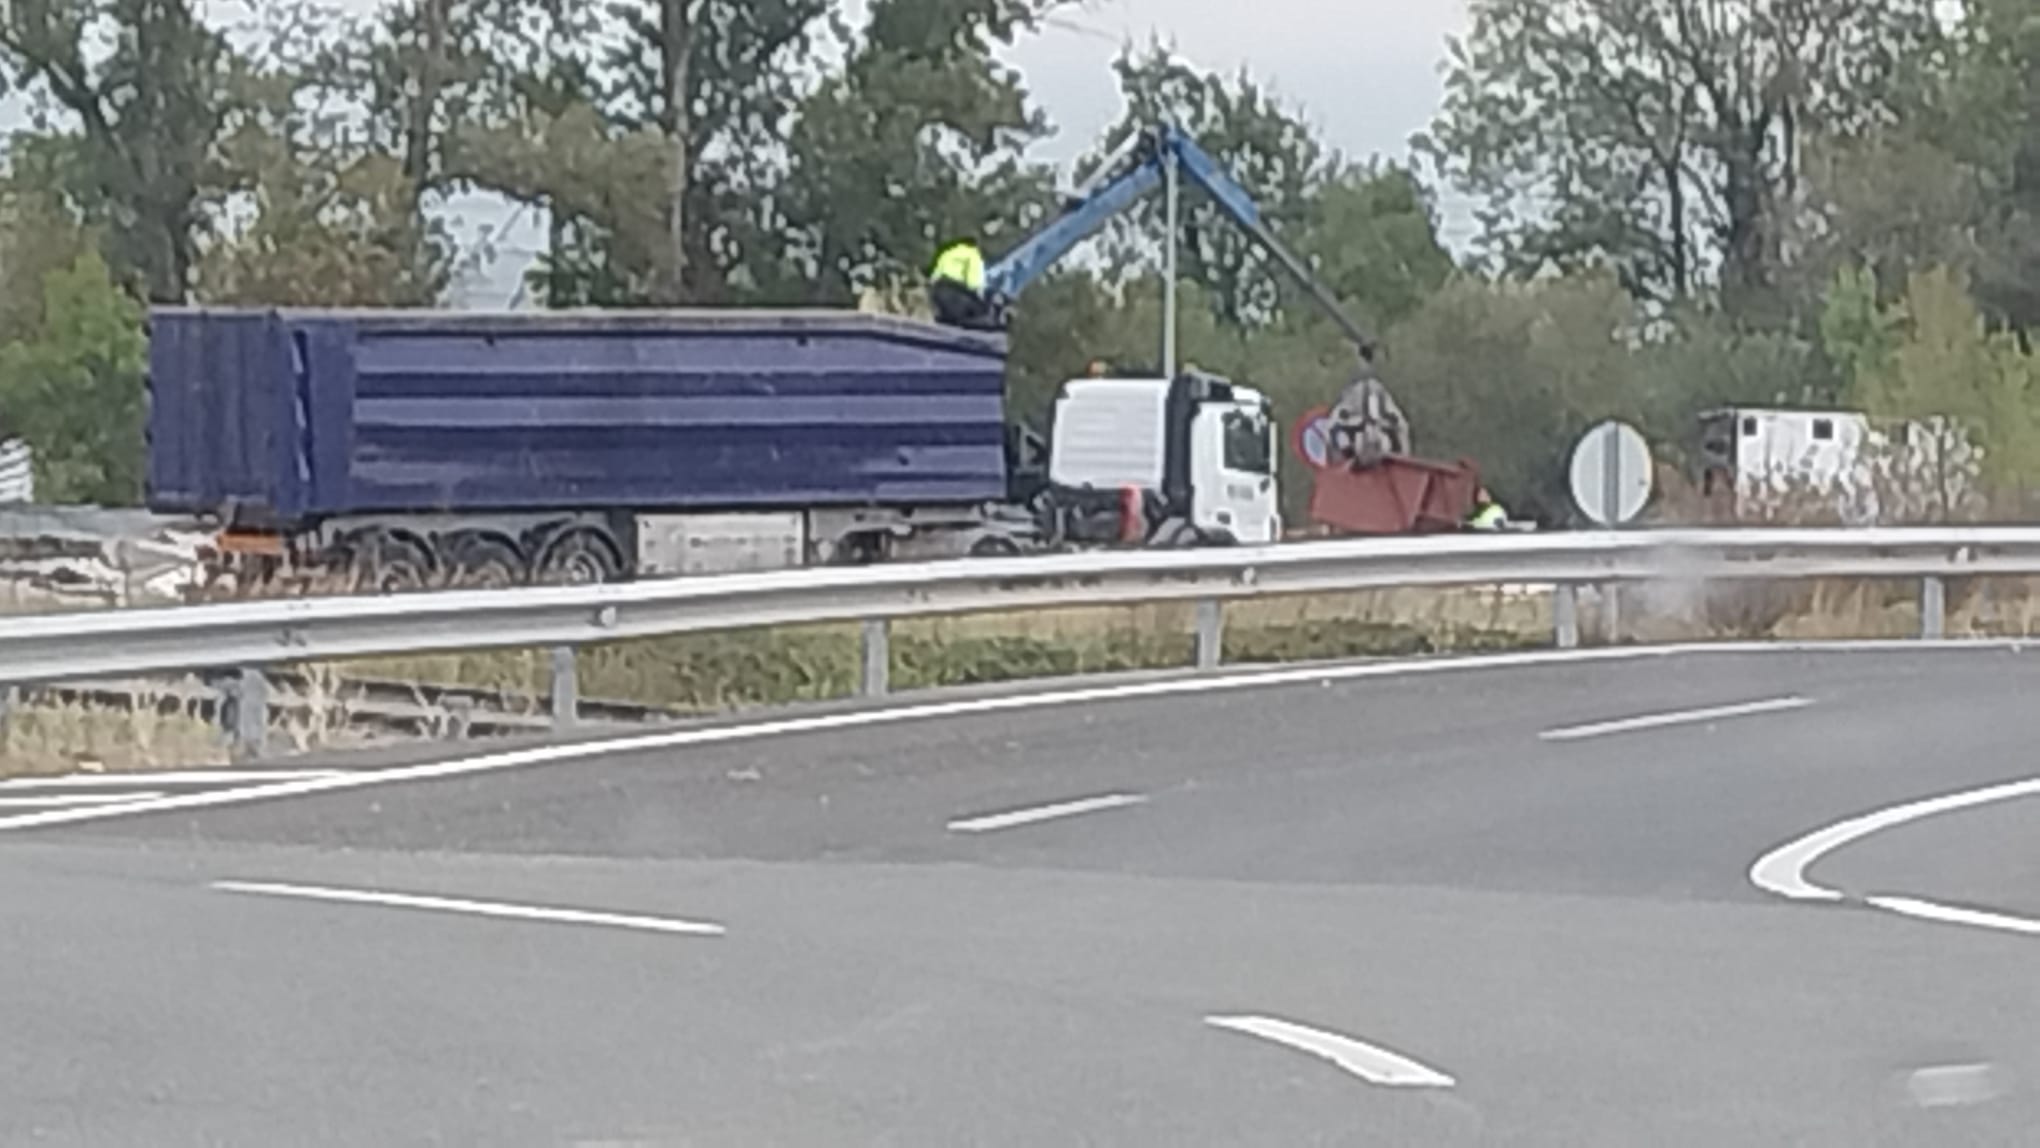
[(580, 557), (390, 562), (1174, 534), (476, 560)]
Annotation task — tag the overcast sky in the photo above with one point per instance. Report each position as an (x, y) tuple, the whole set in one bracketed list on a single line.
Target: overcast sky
[(1365, 71)]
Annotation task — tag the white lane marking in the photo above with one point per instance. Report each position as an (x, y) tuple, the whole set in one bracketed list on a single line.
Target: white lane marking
[(474, 908), (991, 822), (1679, 717), (187, 777), (70, 800), (548, 755), (1783, 870), (1368, 1062), (1955, 1085), (1951, 915)]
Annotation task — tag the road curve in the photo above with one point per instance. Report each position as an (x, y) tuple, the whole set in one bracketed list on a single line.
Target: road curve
[(1506, 903)]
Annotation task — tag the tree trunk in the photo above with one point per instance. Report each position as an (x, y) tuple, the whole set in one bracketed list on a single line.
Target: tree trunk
[(432, 15), (1675, 188), (676, 47)]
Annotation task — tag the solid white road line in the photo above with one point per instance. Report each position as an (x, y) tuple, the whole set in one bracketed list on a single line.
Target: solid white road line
[(1951, 915), (1679, 717), (187, 777), (71, 800), (1783, 870), (995, 821), (551, 754), (474, 908), (1366, 1061)]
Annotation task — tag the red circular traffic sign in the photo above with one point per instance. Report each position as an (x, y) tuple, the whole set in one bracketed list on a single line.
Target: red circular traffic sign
[(1311, 438)]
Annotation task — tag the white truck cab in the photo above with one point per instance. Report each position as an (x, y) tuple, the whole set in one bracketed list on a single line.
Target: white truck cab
[(1200, 450)]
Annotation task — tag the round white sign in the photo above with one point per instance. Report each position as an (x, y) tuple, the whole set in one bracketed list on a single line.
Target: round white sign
[(1611, 473)]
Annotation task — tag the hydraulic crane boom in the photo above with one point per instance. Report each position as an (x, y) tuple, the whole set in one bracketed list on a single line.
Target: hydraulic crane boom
[(1132, 174)]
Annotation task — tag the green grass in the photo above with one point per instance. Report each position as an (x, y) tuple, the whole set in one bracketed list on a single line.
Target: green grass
[(744, 669)]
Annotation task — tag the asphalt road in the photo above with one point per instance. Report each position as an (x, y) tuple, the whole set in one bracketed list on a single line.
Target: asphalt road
[(1497, 917)]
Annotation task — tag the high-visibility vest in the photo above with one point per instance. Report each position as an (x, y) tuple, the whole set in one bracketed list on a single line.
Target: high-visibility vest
[(1489, 517), (964, 263)]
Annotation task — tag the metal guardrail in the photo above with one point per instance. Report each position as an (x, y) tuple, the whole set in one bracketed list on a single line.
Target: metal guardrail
[(247, 635)]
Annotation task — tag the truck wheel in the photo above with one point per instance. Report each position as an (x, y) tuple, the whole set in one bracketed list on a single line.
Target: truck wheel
[(580, 558), (477, 561), (1175, 534), (994, 547)]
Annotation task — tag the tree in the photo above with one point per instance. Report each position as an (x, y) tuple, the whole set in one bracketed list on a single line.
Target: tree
[(2010, 276), (1932, 356), (148, 108), (648, 130), (72, 387), (1371, 235), (327, 166), (1663, 138), (921, 139), (1511, 374), (1269, 150)]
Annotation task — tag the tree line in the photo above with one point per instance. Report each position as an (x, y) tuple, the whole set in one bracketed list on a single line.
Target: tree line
[(1680, 203)]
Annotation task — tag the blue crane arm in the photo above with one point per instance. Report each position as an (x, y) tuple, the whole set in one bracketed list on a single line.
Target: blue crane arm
[(1081, 218), (1113, 193)]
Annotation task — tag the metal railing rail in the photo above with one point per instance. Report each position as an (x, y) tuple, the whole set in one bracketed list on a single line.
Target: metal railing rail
[(247, 635)]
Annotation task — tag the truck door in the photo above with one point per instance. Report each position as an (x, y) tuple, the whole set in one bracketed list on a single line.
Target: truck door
[(1232, 467)]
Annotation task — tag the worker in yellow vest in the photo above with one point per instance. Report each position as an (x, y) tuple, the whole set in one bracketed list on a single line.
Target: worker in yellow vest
[(1488, 515), (956, 287)]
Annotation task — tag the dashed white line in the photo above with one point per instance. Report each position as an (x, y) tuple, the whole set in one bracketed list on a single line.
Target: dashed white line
[(185, 777), (1676, 718), (71, 800), (497, 909), (1369, 1062), (1783, 870), (992, 822), (1955, 1085)]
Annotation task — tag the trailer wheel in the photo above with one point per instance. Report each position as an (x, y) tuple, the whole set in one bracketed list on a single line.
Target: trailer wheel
[(580, 558), (390, 562), (483, 562)]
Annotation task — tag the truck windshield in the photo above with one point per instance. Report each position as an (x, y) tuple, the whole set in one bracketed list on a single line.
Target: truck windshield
[(1247, 445)]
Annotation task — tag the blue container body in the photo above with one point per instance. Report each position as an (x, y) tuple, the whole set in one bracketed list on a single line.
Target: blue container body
[(283, 418)]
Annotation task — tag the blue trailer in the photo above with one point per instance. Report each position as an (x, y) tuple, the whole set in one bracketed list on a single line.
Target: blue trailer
[(406, 449), (428, 447)]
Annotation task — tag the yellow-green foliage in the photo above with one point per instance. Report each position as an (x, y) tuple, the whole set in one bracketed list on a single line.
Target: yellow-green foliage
[(1930, 354), (50, 738)]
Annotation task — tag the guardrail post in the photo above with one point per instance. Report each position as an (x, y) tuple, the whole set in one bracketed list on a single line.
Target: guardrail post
[(460, 718), (566, 688), (1933, 608), (248, 731), (1210, 634), (1611, 613), (1565, 616), (876, 681), (10, 697)]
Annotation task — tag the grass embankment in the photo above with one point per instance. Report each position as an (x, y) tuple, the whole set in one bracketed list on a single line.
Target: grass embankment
[(710, 672), (38, 737)]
